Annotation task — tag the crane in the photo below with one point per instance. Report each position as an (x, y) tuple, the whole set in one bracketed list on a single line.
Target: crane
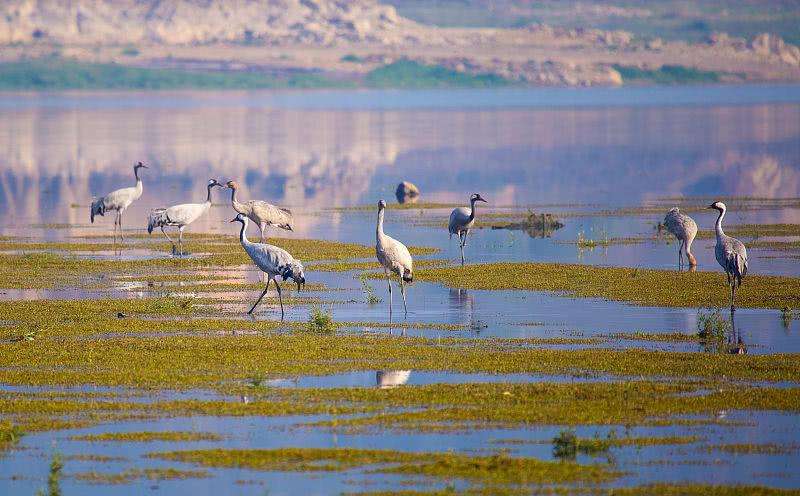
[(394, 257), (271, 260), (731, 254), (180, 216), (684, 228), (118, 200), (461, 221), (263, 214)]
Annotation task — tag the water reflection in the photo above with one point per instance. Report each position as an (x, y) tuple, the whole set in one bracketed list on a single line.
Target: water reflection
[(387, 379), (58, 156)]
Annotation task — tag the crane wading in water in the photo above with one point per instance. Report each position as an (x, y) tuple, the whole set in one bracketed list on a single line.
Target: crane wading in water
[(461, 221), (731, 254), (263, 214), (394, 257), (684, 228), (118, 200), (273, 261), (180, 216)]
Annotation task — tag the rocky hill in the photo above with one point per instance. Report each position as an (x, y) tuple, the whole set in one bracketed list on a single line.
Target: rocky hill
[(200, 21)]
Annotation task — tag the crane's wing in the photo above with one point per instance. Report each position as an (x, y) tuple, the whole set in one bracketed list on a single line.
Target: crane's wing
[(272, 215), (397, 254), (272, 259), (458, 217), (118, 197), (186, 213)]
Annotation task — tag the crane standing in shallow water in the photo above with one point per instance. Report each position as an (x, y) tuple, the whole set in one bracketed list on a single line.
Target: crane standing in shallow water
[(180, 216), (394, 257), (684, 228), (731, 254), (263, 214), (118, 200), (461, 221), (273, 261)]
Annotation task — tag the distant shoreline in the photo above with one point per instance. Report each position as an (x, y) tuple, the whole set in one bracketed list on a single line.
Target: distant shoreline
[(53, 74)]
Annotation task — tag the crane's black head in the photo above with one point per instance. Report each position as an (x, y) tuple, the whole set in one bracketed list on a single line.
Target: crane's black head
[(381, 205), (231, 184), (140, 166), (476, 197), (294, 271), (717, 205), (214, 182), (240, 218)]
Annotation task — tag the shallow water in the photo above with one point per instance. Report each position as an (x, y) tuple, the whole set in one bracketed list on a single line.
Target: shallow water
[(691, 462), (569, 152)]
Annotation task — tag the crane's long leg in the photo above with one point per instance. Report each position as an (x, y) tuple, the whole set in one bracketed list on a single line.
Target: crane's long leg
[(733, 295), (180, 240), (403, 292), (121, 234), (461, 242), (680, 258), (280, 298), (263, 227), (389, 283), (250, 312), (170, 239)]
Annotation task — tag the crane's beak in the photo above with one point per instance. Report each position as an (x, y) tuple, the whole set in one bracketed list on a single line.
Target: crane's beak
[(144, 166), (711, 207), (234, 220)]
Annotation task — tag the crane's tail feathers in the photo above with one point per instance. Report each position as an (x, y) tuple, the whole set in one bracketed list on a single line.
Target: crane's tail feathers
[(157, 218), (98, 208)]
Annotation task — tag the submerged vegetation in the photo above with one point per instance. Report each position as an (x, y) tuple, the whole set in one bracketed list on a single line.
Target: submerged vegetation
[(497, 469)]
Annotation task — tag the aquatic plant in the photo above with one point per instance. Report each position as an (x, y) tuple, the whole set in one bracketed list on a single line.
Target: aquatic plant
[(567, 445), (53, 478), (712, 327), (320, 321), (368, 290)]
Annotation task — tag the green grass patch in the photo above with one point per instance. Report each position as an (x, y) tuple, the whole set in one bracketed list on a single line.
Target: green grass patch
[(148, 436), (668, 74), (410, 74), (498, 469), (65, 74), (639, 286), (134, 474)]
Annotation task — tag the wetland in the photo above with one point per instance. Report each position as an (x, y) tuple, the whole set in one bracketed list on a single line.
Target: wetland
[(569, 355)]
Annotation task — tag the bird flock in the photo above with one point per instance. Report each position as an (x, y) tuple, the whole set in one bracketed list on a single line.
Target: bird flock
[(392, 255)]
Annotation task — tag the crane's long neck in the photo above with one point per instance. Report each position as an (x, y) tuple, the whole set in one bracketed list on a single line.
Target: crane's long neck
[(238, 206), (718, 225), (379, 228), (208, 197), (472, 210), (243, 234)]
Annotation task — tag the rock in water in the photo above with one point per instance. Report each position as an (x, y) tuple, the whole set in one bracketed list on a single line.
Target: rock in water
[(407, 192)]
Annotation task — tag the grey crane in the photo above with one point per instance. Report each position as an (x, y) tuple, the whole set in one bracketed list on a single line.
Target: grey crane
[(180, 216), (273, 261), (263, 214), (731, 254), (461, 221), (684, 228), (118, 200), (394, 257)]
